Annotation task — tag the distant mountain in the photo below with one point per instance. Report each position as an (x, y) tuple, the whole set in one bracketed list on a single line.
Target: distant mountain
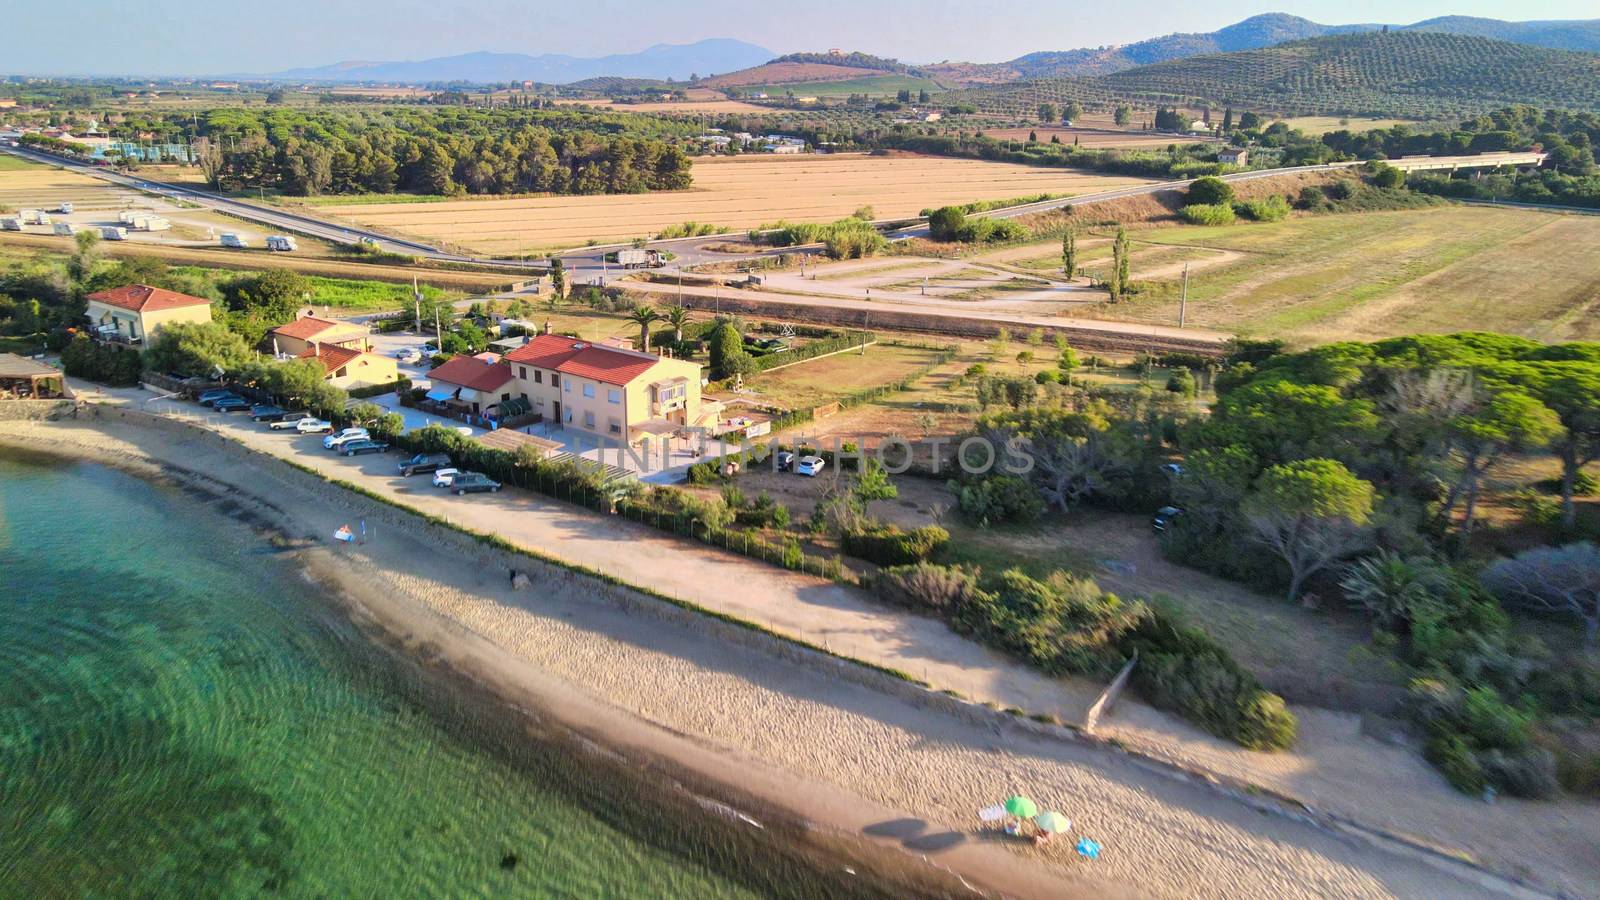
[(1409, 74), (1267, 30), (663, 61)]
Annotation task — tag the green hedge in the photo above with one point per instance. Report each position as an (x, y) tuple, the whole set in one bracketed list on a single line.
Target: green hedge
[(814, 349), (888, 545), (376, 390)]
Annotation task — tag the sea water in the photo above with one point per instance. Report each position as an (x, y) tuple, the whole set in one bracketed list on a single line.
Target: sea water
[(183, 715)]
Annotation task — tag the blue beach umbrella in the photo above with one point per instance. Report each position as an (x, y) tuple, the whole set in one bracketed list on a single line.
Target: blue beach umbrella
[(1088, 848)]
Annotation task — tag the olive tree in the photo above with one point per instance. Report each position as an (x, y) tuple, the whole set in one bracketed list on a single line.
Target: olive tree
[(1311, 513), (1560, 580)]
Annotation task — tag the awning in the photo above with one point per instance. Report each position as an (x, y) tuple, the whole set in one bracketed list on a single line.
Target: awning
[(507, 409), (656, 427), (442, 393)]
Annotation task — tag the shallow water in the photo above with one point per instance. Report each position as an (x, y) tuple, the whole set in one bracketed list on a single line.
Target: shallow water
[(181, 714)]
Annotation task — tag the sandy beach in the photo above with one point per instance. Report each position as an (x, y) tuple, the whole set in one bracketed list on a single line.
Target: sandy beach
[(776, 727)]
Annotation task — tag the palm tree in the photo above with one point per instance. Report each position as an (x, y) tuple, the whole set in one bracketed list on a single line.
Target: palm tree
[(1390, 587), (677, 316), (644, 317)]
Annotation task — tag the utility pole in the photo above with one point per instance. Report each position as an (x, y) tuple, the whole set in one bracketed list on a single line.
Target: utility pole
[(1183, 301)]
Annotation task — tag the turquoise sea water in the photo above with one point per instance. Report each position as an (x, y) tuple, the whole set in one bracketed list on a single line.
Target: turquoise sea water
[(181, 715)]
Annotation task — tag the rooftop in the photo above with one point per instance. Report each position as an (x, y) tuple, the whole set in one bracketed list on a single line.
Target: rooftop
[(14, 366), (332, 356), (472, 373), (306, 327), (143, 298), (584, 359)]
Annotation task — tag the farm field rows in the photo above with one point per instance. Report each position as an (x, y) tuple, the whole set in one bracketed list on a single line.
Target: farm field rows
[(1094, 137), (738, 192), (1370, 275)]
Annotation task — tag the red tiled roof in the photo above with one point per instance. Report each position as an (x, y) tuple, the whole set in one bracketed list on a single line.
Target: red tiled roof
[(305, 328), (582, 359), (144, 298), (473, 373), (332, 356)]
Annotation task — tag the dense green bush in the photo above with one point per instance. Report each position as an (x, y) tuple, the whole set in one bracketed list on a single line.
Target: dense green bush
[(998, 499), (108, 364), (1183, 670), (926, 586), (889, 545), (1210, 191), (1207, 214), (1270, 209)]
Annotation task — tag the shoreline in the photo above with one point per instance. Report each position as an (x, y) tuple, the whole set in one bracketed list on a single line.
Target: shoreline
[(820, 799)]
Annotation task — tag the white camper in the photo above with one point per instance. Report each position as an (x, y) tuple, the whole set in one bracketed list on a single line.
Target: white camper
[(10, 223), (65, 208), (281, 243), (113, 233), (65, 229), (233, 241), (151, 223)]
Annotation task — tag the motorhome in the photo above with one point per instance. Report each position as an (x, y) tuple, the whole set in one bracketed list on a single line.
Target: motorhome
[(65, 229), (233, 241), (114, 233), (281, 243)]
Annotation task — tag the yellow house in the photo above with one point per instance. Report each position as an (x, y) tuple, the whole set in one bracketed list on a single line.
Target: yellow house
[(619, 395), (349, 367), (135, 313), (295, 338)]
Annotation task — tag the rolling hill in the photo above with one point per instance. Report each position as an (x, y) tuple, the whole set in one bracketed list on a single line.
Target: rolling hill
[(662, 61), (1407, 74), (1256, 32)]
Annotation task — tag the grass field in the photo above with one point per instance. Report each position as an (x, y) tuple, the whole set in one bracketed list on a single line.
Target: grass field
[(1320, 125), (25, 184), (1369, 275), (9, 163), (821, 381), (738, 192)]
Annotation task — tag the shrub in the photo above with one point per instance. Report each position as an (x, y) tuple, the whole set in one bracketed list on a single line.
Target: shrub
[(888, 545), (1270, 209), (926, 586), (1181, 382), (1210, 191), (1529, 772), (1456, 762), (1184, 670), (997, 499), (1207, 214), (946, 223)]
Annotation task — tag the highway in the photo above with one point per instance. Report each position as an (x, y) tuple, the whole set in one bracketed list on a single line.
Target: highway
[(586, 265)]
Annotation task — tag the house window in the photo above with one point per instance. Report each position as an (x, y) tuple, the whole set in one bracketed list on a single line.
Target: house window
[(614, 425), (555, 379), (522, 372), (566, 387), (524, 396), (341, 373), (614, 396), (538, 377), (506, 396), (588, 419), (566, 415), (588, 391)]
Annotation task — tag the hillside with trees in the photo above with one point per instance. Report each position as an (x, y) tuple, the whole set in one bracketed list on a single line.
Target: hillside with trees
[(1410, 74)]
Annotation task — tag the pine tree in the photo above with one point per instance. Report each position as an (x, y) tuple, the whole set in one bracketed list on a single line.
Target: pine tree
[(1069, 252)]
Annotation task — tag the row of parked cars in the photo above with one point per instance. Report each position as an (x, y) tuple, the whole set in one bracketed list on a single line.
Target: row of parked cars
[(351, 441)]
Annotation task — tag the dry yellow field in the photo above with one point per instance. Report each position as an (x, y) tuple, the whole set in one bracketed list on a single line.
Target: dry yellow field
[(680, 106), (38, 186), (738, 192)]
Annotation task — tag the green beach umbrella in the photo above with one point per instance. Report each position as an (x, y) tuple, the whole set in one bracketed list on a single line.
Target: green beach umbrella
[(1022, 807), (1053, 822)]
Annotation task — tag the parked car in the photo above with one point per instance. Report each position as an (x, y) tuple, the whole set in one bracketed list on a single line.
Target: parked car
[(266, 412), (365, 445), (1164, 517), (810, 465), (212, 396), (335, 441), (424, 462), (408, 354), (311, 425), (785, 461), (474, 483), (443, 477), (291, 420), (230, 404)]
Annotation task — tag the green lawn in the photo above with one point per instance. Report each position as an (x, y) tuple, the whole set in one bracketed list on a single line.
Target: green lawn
[(824, 380), (9, 163), (340, 293)]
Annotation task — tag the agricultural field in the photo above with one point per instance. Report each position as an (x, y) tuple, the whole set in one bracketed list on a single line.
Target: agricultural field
[(827, 379), (1363, 276), (1316, 126), (736, 192), (877, 85), (788, 72), (709, 105)]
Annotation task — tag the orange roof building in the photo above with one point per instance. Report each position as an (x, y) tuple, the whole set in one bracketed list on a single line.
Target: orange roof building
[(134, 313)]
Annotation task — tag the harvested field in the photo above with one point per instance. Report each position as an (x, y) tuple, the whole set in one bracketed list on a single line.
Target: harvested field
[(738, 192), (1317, 126), (1095, 137), (25, 184), (250, 260), (827, 379), (785, 72), (1363, 276), (681, 106)]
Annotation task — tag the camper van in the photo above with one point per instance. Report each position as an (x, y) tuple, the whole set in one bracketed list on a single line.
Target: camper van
[(151, 223), (233, 241), (42, 218), (31, 217), (10, 223), (114, 233), (65, 229), (281, 243)]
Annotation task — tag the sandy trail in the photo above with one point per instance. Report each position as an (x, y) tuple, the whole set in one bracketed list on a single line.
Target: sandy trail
[(787, 730)]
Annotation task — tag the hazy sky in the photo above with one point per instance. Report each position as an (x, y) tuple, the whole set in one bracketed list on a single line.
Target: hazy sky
[(217, 36)]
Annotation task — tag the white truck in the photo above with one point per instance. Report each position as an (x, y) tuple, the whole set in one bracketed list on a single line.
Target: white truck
[(233, 241), (65, 229), (638, 259), (65, 208), (113, 233), (281, 243)]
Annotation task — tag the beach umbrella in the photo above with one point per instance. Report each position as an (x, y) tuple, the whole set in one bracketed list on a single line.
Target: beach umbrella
[(1088, 848), (1052, 822), (1022, 807)]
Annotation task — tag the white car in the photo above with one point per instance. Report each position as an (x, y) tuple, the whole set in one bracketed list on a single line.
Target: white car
[(289, 421), (335, 441), (810, 465), (311, 425), (443, 477)]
